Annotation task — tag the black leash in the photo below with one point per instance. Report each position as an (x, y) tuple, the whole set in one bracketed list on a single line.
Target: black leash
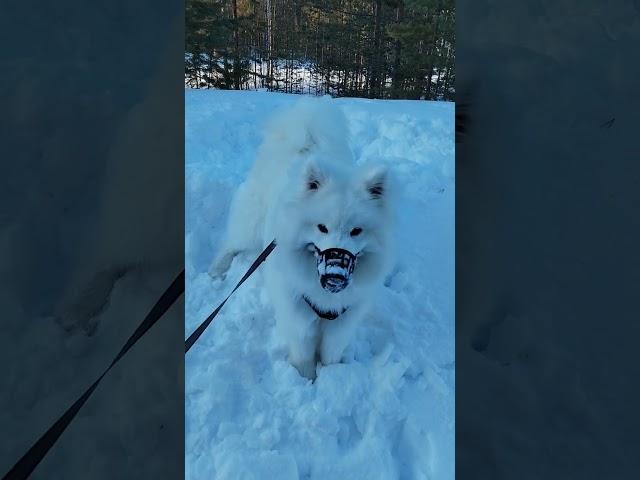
[(30, 460), (202, 327)]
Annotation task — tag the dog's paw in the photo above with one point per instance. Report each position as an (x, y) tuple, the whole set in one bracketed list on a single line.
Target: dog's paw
[(218, 270), (221, 265), (217, 274), (307, 369), (330, 354)]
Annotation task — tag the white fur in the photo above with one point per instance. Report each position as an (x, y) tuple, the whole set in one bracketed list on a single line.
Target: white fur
[(304, 144)]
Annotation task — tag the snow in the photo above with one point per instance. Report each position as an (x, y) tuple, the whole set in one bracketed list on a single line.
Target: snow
[(303, 76), (388, 411)]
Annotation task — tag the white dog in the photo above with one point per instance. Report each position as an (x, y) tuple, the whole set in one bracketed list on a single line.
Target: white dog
[(332, 222)]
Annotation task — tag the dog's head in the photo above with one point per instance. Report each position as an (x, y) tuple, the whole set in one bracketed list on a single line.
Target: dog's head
[(340, 218)]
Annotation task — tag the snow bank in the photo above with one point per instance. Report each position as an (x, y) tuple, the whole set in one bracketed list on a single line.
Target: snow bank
[(388, 411)]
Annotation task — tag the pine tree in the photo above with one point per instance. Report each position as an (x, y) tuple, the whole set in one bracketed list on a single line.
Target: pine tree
[(371, 48)]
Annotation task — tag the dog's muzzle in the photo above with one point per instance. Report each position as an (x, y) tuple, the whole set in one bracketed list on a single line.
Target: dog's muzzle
[(335, 266)]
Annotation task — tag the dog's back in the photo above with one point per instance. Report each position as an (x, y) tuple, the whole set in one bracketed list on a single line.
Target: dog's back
[(309, 126)]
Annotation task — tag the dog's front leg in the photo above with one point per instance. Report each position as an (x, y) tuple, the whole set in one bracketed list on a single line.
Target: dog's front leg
[(300, 331), (336, 334), (302, 355)]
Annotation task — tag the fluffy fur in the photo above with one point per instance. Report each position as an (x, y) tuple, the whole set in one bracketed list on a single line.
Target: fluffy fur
[(304, 176)]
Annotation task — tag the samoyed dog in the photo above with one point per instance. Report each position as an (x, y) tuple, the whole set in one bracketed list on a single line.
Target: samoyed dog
[(332, 222)]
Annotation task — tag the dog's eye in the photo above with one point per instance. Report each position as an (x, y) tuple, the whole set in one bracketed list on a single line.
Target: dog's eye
[(356, 231), (313, 185), (322, 228)]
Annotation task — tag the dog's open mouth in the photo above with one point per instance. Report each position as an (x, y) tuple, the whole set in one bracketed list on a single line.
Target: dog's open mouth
[(335, 266)]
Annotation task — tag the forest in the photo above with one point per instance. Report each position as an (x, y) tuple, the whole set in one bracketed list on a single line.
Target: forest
[(392, 49)]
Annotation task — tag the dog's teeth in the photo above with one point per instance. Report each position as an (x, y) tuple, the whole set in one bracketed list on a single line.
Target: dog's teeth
[(335, 269)]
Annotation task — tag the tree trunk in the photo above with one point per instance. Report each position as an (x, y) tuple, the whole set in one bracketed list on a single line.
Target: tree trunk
[(396, 79), (269, 46), (236, 53), (374, 84)]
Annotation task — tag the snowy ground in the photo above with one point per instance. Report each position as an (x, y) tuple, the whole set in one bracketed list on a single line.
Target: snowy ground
[(388, 411), (301, 77)]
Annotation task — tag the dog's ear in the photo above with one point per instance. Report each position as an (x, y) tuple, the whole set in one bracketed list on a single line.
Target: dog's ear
[(376, 182), (309, 144), (313, 178)]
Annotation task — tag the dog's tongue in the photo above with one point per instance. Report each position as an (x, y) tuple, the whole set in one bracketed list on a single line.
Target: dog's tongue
[(335, 267)]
